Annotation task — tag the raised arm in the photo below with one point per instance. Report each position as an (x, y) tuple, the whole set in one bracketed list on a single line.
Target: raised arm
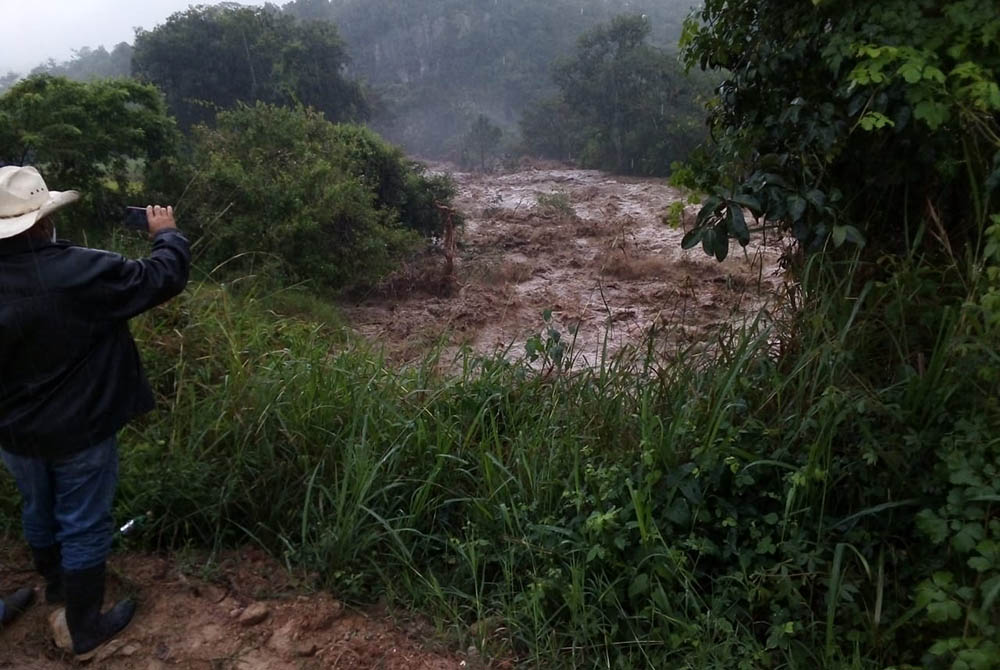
[(116, 289)]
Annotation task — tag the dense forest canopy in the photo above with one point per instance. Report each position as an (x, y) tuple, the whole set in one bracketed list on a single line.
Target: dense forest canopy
[(431, 67), (209, 58)]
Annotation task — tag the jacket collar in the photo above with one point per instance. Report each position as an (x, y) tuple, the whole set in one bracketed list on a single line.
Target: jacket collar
[(23, 244)]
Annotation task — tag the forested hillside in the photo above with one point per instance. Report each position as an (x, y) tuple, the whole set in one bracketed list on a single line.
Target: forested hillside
[(439, 76), (437, 64)]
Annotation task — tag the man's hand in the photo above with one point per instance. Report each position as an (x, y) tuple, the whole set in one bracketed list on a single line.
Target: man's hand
[(160, 218)]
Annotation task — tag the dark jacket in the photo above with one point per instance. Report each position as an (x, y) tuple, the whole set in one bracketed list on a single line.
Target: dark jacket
[(70, 374)]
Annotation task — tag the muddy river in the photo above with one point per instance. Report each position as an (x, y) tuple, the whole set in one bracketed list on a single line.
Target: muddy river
[(595, 251)]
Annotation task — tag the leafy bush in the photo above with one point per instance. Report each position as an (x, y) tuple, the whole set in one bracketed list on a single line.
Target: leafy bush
[(284, 191), (958, 600), (555, 204), (102, 138), (851, 121)]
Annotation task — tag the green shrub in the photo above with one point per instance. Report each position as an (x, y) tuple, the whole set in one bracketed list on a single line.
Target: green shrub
[(284, 192), (851, 122), (101, 138), (555, 204)]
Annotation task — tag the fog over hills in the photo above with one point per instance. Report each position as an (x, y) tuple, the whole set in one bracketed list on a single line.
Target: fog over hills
[(438, 63), (431, 67)]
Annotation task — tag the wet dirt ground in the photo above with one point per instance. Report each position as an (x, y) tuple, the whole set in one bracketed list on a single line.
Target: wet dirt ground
[(593, 249), (250, 615)]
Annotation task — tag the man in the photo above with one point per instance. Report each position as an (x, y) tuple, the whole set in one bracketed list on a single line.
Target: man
[(70, 378)]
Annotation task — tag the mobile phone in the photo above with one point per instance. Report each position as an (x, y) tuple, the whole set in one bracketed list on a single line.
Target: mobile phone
[(135, 218)]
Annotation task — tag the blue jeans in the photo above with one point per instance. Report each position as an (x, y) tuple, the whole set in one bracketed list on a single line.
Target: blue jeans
[(68, 502)]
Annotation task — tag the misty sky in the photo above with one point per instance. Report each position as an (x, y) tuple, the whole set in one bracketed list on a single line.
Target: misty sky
[(32, 31)]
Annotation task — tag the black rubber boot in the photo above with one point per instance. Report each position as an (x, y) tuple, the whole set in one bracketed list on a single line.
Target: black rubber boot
[(88, 627), (15, 604), (48, 563)]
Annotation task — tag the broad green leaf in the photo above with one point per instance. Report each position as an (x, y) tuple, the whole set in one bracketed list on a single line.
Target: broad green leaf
[(934, 74), (934, 114), (595, 552), (738, 225), (948, 610), (692, 238), (748, 201), (965, 476), (911, 72), (854, 236), (993, 95), (839, 235), (946, 646), (708, 241), (943, 579), (966, 539), (816, 198), (956, 51), (721, 243), (796, 207), (933, 526), (765, 545), (980, 564)]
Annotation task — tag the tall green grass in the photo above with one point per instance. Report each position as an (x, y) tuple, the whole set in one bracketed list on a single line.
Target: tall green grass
[(772, 500)]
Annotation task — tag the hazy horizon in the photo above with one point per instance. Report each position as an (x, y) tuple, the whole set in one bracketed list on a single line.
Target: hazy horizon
[(33, 33)]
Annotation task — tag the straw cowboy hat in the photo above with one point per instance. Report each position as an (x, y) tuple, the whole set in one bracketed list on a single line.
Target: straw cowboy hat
[(25, 199)]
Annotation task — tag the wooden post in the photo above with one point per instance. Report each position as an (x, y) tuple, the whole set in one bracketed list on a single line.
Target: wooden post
[(449, 244)]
